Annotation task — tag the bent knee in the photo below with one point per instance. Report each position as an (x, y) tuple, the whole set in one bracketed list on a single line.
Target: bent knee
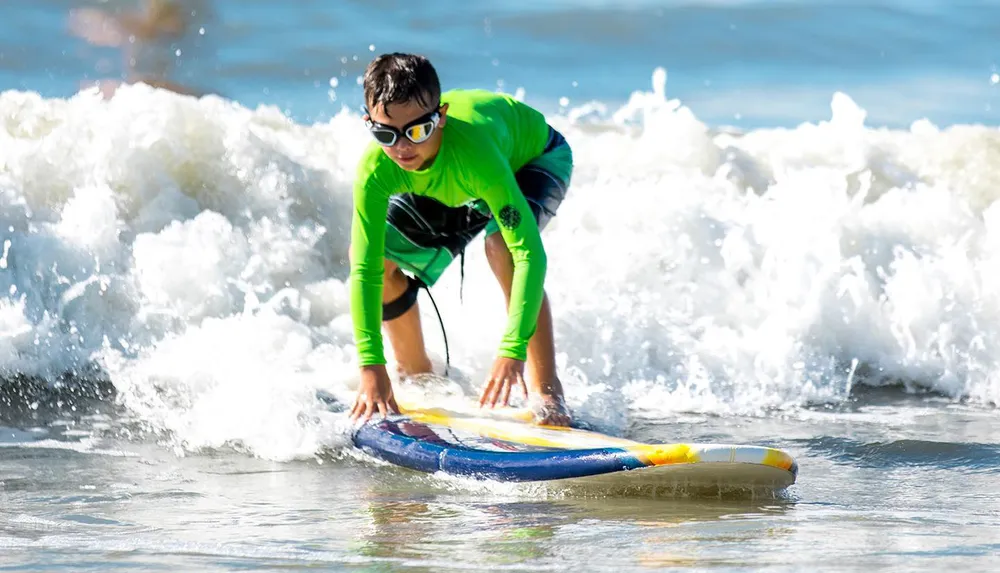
[(391, 268), (393, 275), (395, 281)]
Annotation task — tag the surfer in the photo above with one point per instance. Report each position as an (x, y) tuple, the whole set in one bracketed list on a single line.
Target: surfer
[(160, 41), (442, 168)]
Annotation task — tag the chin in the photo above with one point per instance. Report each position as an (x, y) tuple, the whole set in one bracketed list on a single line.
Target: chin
[(411, 165)]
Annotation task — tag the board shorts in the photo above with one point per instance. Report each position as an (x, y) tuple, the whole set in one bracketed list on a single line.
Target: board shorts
[(423, 236)]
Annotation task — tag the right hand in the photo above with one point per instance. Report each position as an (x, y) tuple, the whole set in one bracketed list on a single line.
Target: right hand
[(552, 411), (374, 392)]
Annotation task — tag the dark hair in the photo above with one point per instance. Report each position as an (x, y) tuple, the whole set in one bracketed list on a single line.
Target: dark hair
[(398, 78)]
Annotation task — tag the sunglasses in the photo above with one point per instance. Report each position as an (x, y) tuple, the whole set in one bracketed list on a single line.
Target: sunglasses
[(417, 131)]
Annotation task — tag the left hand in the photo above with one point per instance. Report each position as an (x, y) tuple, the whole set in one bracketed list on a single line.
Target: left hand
[(506, 373)]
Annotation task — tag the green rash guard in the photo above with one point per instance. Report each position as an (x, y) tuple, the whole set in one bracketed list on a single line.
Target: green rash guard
[(486, 139)]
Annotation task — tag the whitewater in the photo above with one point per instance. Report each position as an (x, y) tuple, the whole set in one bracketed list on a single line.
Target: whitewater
[(193, 253)]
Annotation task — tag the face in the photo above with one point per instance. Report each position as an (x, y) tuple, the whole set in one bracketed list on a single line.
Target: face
[(408, 155)]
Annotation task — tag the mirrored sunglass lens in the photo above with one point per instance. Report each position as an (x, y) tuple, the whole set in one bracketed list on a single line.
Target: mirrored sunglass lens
[(419, 133), (383, 136)]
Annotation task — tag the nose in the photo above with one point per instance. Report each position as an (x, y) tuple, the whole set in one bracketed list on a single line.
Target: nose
[(404, 145)]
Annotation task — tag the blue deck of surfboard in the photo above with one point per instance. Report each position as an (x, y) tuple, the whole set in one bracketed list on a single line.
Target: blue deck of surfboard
[(417, 446)]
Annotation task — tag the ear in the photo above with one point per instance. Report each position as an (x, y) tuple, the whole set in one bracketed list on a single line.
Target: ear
[(444, 115)]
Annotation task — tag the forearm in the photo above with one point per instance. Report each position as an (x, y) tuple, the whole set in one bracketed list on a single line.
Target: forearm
[(367, 275), (366, 316), (526, 293)]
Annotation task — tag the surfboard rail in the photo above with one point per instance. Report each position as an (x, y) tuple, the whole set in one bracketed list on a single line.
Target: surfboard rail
[(505, 448)]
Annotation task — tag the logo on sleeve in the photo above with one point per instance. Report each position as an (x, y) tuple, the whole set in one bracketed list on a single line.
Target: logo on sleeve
[(510, 217)]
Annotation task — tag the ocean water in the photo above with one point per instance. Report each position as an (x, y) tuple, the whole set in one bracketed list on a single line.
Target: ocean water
[(782, 229)]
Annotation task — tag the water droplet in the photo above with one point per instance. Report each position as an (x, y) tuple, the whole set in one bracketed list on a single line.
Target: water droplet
[(995, 79), (564, 101), (334, 82), (201, 31), (371, 47)]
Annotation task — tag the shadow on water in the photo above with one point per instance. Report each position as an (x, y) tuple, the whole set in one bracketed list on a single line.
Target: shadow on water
[(969, 457), (28, 401), (895, 394), (870, 387)]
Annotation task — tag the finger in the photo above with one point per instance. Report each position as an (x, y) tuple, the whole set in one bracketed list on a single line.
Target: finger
[(359, 406), (486, 391), (505, 396), (524, 387), (498, 391), (482, 393), (369, 410), (495, 387), (554, 417), (355, 410), (382, 409), (394, 405)]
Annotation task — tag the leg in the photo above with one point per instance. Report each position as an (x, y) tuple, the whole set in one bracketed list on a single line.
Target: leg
[(423, 236), (405, 332), (540, 368)]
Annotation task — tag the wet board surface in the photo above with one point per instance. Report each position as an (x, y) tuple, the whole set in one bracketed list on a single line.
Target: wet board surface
[(506, 445)]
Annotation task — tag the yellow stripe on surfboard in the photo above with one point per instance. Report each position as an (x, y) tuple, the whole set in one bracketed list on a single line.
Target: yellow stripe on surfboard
[(778, 459), (517, 425), (513, 426), (663, 454)]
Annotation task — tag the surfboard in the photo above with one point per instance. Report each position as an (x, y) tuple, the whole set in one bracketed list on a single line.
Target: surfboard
[(506, 445)]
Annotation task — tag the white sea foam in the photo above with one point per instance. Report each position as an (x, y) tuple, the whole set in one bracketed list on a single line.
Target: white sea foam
[(197, 251)]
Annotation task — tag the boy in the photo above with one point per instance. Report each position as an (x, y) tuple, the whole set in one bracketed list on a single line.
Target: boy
[(442, 168)]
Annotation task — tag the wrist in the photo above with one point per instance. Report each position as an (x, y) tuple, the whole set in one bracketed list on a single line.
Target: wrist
[(506, 353)]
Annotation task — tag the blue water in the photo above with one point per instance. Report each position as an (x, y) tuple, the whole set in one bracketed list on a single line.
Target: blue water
[(749, 64)]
